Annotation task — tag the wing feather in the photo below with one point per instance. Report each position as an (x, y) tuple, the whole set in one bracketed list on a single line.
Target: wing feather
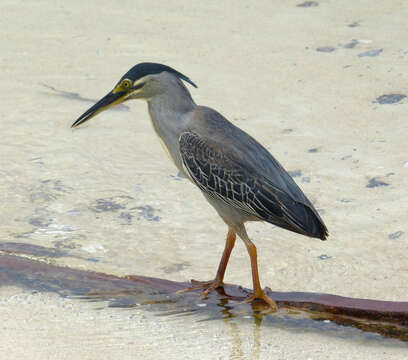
[(222, 178)]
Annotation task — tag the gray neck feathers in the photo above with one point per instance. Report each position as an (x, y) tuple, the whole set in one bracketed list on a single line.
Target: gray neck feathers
[(168, 107), (169, 111)]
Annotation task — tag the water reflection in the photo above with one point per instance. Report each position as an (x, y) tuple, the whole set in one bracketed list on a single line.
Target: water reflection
[(161, 296)]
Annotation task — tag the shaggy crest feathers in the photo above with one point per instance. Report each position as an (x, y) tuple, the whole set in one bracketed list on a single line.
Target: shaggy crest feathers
[(146, 68)]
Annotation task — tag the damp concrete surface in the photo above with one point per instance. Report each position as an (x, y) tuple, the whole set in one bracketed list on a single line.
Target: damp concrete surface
[(105, 198)]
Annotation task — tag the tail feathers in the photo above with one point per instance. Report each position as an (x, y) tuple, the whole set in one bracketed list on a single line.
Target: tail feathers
[(318, 228), (302, 219), (312, 224)]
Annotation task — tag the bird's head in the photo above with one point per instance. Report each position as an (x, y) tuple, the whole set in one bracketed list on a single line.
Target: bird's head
[(141, 82)]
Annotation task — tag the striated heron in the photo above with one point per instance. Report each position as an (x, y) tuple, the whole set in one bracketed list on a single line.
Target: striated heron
[(236, 174)]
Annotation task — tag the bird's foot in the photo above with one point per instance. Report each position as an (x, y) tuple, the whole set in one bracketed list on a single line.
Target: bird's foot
[(261, 295), (208, 287)]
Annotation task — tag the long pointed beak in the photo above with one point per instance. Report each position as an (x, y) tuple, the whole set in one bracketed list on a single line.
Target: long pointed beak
[(109, 100)]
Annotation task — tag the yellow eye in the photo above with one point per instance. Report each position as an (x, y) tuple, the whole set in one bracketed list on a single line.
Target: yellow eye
[(126, 84)]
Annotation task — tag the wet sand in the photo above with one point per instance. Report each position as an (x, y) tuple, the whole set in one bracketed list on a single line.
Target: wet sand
[(322, 87)]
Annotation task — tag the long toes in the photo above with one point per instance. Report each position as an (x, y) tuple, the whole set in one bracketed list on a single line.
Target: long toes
[(211, 288), (270, 302), (193, 288), (263, 297), (208, 286), (198, 282)]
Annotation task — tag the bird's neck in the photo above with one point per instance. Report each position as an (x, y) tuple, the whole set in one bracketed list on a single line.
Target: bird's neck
[(173, 97), (169, 114)]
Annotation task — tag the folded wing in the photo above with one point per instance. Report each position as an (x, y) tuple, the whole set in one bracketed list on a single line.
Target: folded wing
[(221, 176)]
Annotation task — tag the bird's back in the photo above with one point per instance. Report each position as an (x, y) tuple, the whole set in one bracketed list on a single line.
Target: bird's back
[(267, 173)]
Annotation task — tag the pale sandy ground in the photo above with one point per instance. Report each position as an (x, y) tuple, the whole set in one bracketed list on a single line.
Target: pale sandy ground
[(84, 191)]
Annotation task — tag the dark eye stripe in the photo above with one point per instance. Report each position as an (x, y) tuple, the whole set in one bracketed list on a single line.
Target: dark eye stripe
[(138, 86)]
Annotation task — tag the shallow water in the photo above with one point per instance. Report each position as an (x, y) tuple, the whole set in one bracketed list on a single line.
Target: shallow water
[(297, 312), (104, 197)]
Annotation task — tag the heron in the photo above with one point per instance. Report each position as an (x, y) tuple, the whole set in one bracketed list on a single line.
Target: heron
[(235, 173)]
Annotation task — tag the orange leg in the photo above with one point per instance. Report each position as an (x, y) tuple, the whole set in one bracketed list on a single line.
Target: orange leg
[(258, 292), (229, 245), (209, 286)]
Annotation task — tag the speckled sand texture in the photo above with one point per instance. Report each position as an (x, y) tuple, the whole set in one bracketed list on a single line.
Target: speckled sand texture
[(322, 85)]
